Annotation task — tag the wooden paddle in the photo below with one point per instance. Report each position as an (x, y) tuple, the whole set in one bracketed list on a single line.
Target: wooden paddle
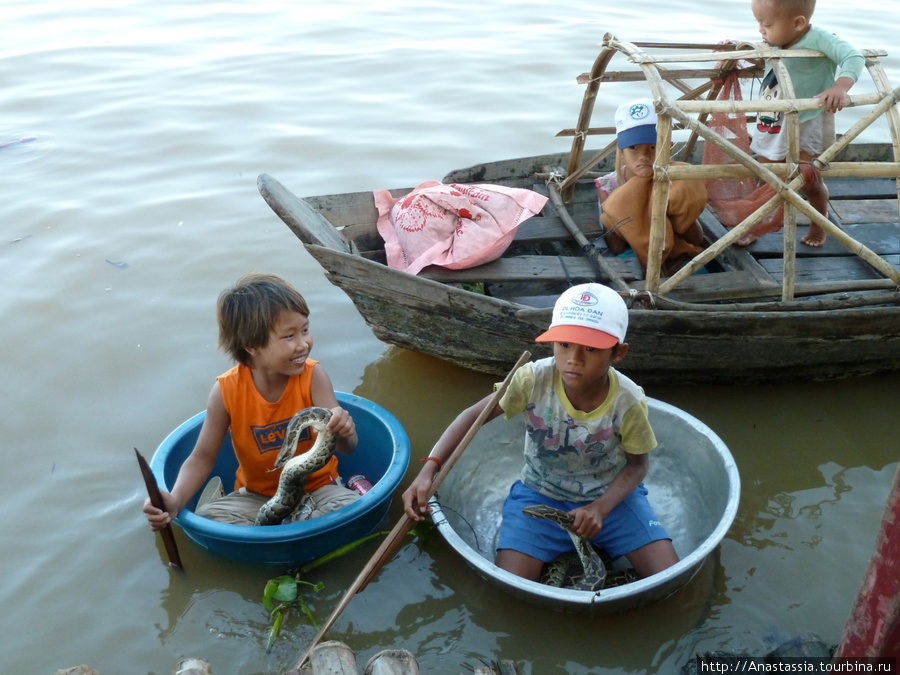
[(395, 537), (168, 536)]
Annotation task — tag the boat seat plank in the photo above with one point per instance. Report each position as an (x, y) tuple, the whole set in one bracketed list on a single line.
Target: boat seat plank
[(882, 238), (855, 188), (734, 257), (527, 268), (852, 211), (830, 268), (699, 288), (549, 228), (352, 209), (719, 286)]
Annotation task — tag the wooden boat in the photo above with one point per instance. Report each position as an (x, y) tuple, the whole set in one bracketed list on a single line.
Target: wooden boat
[(772, 311), (693, 485), (383, 457)]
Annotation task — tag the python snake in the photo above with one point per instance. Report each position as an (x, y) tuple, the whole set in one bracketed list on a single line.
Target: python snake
[(592, 576), (292, 484)]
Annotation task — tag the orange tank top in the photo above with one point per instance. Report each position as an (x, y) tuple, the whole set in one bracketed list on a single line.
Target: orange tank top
[(258, 428)]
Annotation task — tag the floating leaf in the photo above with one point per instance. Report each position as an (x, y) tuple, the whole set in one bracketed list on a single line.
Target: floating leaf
[(286, 590)]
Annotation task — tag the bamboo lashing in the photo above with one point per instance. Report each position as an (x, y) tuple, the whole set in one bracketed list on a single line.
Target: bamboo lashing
[(784, 178)]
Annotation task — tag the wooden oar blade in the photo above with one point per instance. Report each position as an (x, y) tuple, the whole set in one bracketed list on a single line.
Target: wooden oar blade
[(168, 536)]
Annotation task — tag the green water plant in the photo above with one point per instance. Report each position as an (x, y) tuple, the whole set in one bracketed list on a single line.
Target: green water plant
[(282, 593)]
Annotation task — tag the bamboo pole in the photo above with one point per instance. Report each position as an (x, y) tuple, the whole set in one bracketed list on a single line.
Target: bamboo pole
[(881, 83), (832, 169), (781, 105), (584, 117), (395, 537), (792, 157), (673, 73), (761, 52), (659, 199), (586, 247)]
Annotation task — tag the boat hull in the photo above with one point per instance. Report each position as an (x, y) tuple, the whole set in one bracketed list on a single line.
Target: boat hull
[(693, 484), (488, 334), (382, 456)]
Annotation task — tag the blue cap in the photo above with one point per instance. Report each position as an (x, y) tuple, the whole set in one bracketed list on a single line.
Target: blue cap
[(635, 123)]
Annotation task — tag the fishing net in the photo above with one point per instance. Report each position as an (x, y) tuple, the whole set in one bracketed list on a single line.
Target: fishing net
[(732, 200)]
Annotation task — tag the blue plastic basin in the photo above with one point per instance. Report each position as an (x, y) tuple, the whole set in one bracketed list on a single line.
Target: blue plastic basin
[(382, 456)]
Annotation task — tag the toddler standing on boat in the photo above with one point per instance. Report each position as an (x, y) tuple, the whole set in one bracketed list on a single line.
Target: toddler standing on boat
[(586, 447), (785, 24)]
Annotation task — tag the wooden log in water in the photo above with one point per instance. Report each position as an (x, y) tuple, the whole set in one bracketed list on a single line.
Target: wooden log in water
[(193, 667), (332, 657), (392, 662)]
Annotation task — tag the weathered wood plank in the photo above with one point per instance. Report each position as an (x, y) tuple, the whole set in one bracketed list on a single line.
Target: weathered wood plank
[(300, 216), (852, 211), (542, 229), (832, 268), (526, 268), (883, 239), (855, 188), (734, 257), (719, 286)]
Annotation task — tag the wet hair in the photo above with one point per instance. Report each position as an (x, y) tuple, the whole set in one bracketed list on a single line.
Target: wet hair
[(803, 8), (247, 312)]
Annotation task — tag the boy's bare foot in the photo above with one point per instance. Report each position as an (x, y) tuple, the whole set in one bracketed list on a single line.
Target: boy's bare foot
[(815, 237), (747, 239)]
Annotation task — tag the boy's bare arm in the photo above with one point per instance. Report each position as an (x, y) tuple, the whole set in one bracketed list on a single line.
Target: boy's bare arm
[(414, 498), (199, 464)]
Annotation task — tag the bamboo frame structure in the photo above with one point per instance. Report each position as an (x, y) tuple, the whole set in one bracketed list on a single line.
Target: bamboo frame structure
[(689, 111)]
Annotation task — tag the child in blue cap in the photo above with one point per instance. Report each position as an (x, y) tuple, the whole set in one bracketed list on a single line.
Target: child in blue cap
[(624, 195)]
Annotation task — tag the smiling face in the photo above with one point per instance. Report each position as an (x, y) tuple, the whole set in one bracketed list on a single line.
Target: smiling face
[(638, 160), (289, 345), (777, 26)]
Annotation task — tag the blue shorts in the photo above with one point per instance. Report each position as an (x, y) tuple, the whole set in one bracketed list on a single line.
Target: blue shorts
[(629, 526)]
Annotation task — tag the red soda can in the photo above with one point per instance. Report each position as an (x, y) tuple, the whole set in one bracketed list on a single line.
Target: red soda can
[(359, 483)]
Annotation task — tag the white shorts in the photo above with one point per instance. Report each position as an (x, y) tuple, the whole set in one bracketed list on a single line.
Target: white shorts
[(816, 135)]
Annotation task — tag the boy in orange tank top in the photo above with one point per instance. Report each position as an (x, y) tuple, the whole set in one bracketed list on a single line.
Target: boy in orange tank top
[(264, 325)]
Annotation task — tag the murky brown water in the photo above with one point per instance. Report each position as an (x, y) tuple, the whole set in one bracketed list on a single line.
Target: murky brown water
[(135, 203)]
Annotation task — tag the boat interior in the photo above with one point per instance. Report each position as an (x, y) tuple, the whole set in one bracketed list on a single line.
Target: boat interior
[(564, 244)]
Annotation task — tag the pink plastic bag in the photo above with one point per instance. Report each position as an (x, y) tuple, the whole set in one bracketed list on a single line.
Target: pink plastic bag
[(454, 226)]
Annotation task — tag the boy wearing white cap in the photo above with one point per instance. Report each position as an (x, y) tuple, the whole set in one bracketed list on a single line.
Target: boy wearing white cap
[(586, 445)]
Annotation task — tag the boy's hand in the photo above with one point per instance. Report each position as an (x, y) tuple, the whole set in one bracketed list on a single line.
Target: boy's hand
[(588, 520), (341, 423), (415, 497), (158, 518), (835, 97)]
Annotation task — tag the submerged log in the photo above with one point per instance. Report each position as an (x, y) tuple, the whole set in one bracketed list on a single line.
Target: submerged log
[(392, 662)]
